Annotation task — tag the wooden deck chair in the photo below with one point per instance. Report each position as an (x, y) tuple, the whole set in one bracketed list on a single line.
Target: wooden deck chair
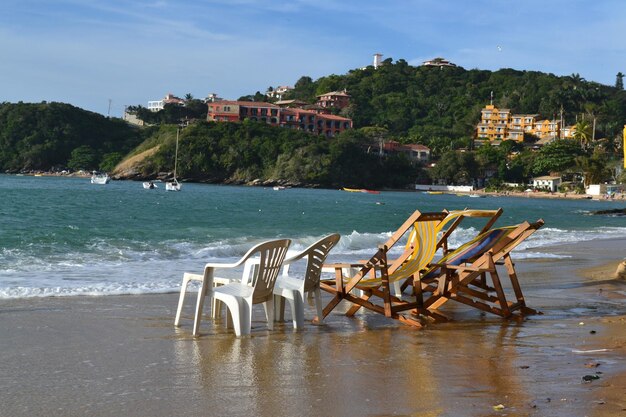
[(377, 275), (462, 275)]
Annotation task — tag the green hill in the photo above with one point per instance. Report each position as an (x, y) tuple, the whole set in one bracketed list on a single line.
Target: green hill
[(424, 103), (49, 136), (437, 107)]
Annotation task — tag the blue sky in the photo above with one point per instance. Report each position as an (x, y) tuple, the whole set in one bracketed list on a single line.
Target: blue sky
[(89, 52)]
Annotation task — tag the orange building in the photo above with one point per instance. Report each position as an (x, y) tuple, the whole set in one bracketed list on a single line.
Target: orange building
[(334, 99), (290, 118)]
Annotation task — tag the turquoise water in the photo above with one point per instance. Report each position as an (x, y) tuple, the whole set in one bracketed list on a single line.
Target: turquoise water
[(65, 236)]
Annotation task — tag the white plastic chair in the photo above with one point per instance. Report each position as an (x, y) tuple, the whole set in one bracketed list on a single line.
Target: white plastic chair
[(293, 288), (262, 264)]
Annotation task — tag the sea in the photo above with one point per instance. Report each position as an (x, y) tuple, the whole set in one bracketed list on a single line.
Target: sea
[(63, 236)]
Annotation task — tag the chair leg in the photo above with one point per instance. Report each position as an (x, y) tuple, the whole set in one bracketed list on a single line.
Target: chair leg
[(297, 309), (279, 308), (181, 299), (318, 305), (216, 305), (396, 289), (237, 314), (202, 292), (268, 306)]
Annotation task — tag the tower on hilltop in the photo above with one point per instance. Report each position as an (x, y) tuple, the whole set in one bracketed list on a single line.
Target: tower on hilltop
[(377, 60)]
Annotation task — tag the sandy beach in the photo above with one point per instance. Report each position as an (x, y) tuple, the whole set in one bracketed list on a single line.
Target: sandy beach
[(121, 355)]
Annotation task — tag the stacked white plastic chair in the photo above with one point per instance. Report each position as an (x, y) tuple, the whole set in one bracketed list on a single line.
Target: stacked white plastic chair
[(293, 288), (262, 265)]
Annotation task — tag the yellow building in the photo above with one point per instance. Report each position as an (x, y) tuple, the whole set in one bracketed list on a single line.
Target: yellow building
[(499, 124), (493, 123)]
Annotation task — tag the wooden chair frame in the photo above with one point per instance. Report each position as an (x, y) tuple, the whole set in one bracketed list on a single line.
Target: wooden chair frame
[(468, 283), (381, 268)]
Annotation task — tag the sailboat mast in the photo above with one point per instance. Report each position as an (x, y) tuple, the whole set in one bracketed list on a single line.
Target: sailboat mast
[(176, 154)]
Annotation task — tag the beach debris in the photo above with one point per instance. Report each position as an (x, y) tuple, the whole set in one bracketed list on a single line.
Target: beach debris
[(582, 323), (498, 407), (591, 351), (589, 378), (592, 364), (524, 367), (592, 332), (620, 273)]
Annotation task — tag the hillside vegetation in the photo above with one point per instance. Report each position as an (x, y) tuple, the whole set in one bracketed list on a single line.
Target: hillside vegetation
[(49, 136), (249, 151), (435, 104), (437, 107)]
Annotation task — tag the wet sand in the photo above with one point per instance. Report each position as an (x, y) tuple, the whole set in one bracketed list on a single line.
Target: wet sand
[(121, 355)]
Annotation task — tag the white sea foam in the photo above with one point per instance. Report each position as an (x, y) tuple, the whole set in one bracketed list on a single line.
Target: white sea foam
[(107, 267)]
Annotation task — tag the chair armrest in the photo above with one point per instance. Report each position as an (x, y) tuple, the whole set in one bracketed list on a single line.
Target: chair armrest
[(199, 277), (342, 265), (462, 267)]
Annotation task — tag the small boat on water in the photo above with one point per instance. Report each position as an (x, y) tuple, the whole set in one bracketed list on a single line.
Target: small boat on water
[(173, 185), (149, 185), (98, 178), (278, 188), (360, 190), (433, 192), (476, 196)]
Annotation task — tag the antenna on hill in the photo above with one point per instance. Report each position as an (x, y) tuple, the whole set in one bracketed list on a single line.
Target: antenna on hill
[(491, 99), (109, 111)]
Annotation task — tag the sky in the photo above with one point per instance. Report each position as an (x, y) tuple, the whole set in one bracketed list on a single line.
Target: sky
[(103, 55)]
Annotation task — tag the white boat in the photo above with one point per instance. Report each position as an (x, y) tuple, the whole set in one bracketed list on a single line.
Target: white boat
[(149, 185), (278, 187), (174, 185), (100, 178)]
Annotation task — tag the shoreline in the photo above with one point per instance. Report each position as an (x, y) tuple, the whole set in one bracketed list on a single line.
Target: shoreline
[(270, 183), (121, 355)]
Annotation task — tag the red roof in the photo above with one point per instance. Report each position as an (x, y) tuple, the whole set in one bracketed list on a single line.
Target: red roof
[(333, 117), (335, 93), (245, 103)]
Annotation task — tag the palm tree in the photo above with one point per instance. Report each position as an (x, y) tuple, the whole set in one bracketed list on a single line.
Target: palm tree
[(594, 168), (619, 81), (582, 133)]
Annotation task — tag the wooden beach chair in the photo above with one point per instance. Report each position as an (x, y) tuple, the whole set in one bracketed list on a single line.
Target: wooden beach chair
[(469, 274), (378, 276)]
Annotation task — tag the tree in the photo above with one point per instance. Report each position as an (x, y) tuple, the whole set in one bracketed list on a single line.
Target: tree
[(109, 161), (556, 157), (619, 81), (83, 158), (594, 167), (455, 167), (582, 133)]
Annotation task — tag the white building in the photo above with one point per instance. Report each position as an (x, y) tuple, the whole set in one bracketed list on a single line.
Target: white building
[(547, 183), (169, 98), (278, 92)]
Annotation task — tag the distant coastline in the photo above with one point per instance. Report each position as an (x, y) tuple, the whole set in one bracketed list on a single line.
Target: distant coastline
[(620, 197)]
